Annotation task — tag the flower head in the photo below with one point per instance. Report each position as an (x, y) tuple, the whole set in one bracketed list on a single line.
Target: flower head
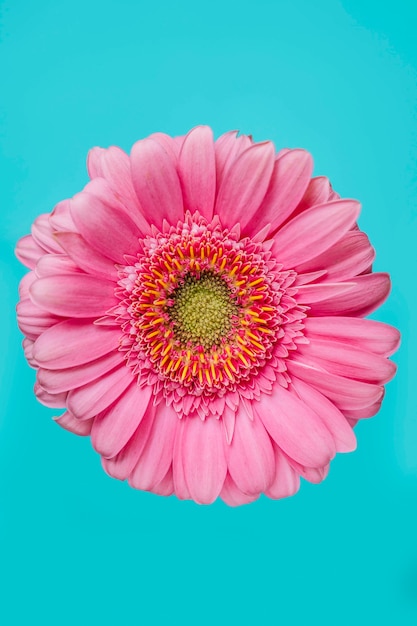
[(199, 310)]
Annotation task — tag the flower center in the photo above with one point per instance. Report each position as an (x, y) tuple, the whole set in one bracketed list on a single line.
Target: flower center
[(202, 310), (205, 313)]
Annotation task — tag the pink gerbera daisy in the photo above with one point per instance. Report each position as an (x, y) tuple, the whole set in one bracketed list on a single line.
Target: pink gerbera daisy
[(199, 310)]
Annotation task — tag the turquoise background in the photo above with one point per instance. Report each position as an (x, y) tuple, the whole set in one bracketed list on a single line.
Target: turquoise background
[(337, 78)]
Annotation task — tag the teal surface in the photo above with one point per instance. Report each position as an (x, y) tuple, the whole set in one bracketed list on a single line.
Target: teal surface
[(337, 78)]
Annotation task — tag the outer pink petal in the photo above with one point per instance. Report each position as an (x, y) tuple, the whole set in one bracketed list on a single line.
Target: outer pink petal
[(378, 337), (156, 457), (32, 320), (353, 415), (197, 171), (181, 488), (117, 424), (227, 148), (121, 465), (203, 458), (250, 456), (24, 285), (312, 293), (103, 191), (286, 482), (113, 164), (74, 342), (156, 182), (368, 293), (165, 487), (86, 257), (107, 229), (314, 231), (290, 177), (28, 350), (233, 496), (172, 145), (43, 234), (28, 251), (349, 361), (56, 381), (344, 392), (60, 219), (178, 140), (245, 184), (350, 256), (53, 401), (74, 295), (317, 192), (295, 428), (312, 474), (334, 420), (53, 264), (78, 427), (93, 398), (229, 420)]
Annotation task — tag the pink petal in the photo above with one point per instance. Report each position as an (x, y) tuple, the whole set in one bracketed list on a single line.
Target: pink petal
[(24, 285), (179, 140), (290, 178), (28, 251), (233, 496), (286, 482), (310, 293), (197, 171), (107, 229), (203, 458), (156, 182), (366, 334), (350, 361), (295, 428), (28, 350), (170, 144), (43, 235), (101, 189), (156, 458), (74, 342), (314, 231), (121, 465), (52, 264), (344, 392), (364, 413), (60, 219), (165, 487), (333, 419), (312, 474), (227, 148), (86, 257), (69, 422), (317, 192), (245, 184), (117, 424), (304, 279), (53, 401), (90, 399), (250, 456), (180, 484), (113, 165), (32, 320), (368, 293), (56, 381), (228, 419), (72, 295), (350, 256)]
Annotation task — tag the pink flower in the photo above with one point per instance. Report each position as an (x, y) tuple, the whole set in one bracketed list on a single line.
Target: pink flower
[(199, 310)]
